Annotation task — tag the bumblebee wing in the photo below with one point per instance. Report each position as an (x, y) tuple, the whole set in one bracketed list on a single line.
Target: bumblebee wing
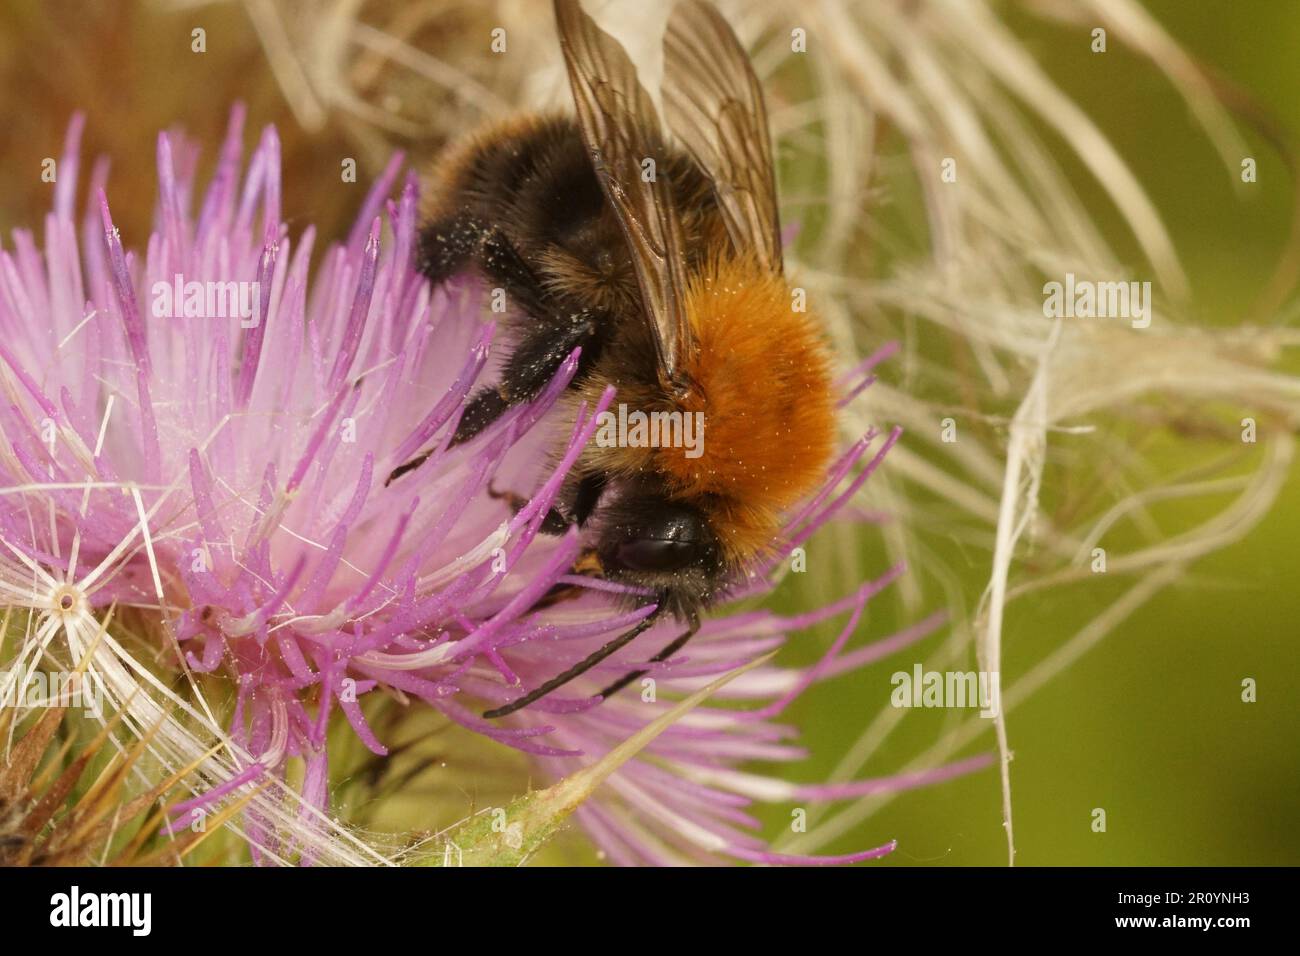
[(620, 128), (715, 106)]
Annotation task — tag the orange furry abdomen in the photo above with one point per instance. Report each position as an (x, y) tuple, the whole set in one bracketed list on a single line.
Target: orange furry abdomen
[(761, 376)]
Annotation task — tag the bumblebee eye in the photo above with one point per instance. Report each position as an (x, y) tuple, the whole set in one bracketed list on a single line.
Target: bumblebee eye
[(656, 554), (662, 536)]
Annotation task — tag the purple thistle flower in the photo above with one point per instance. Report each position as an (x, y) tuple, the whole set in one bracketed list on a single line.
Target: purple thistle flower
[(204, 429)]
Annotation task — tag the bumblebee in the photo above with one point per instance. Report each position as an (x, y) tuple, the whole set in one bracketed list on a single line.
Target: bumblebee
[(661, 261)]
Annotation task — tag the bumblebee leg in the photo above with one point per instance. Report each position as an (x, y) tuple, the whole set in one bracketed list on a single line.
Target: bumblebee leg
[(550, 330), (555, 523), (590, 489), (532, 364), (483, 409), (402, 469), (584, 502), (530, 367), (447, 246)]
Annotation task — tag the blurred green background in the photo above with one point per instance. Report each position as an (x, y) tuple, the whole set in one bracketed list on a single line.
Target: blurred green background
[(1149, 725)]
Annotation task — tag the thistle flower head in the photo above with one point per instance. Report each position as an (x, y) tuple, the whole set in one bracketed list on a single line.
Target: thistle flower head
[(201, 430)]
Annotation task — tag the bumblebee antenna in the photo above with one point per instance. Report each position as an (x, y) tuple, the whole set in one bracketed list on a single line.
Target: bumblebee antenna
[(578, 669), (678, 643)]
